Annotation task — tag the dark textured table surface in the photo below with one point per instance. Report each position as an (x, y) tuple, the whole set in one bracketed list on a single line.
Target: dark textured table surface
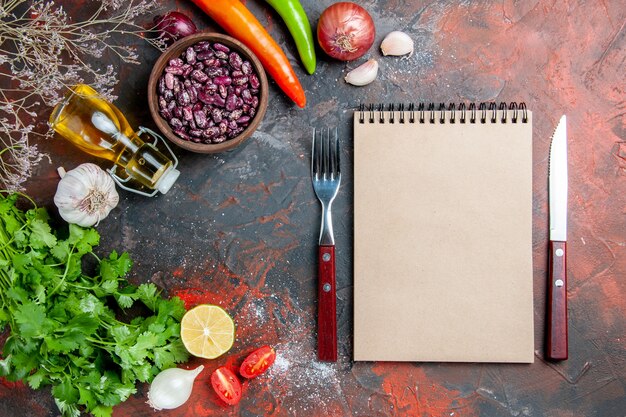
[(240, 229)]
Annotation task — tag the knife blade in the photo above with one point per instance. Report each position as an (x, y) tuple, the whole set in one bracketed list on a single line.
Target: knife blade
[(557, 346)]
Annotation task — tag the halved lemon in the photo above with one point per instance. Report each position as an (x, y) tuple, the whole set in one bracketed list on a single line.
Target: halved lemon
[(207, 331)]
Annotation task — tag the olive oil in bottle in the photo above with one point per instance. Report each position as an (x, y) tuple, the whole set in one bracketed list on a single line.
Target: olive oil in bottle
[(97, 127)]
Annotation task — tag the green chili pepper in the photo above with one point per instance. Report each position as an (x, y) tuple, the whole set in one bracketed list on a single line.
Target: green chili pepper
[(297, 22)]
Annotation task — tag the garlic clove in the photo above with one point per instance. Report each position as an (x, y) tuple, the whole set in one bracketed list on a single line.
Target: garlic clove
[(397, 43), (85, 195), (363, 74)]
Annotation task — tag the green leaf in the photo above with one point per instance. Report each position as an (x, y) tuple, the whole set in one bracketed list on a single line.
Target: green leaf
[(22, 261), (61, 250), (143, 372), (90, 379), (40, 294), (124, 391), (41, 235), (84, 324), (18, 294), (145, 340), (115, 266), (5, 366), (174, 307), (91, 305), (86, 350), (8, 214), (171, 329), (124, 263), (67, 409), (147, 294), (180, 352), (4, 317), (157, 328), (16, 344), (66, 343), (84, 239), (86, 397), (126, 360), (109, 396), (124, 301), (35, 380), (31, 320), (20, 238), (170, 354), (72, 304), (121, 334), (23, 363), (102, 411), (163, 358), (66, 391), (81, 362), (108, 270), (141, 348), (109, 286), (74, 268)]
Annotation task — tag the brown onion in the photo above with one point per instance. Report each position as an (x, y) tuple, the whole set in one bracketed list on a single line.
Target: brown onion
[(345, 31)]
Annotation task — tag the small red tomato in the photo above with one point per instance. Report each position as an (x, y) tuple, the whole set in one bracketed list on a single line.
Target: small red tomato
[(226, 385), (257, 362)]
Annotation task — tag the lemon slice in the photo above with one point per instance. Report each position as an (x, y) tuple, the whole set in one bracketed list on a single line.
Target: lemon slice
[(207, 331)]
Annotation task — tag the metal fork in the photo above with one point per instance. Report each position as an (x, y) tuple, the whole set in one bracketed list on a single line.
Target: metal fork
[(326, 177)]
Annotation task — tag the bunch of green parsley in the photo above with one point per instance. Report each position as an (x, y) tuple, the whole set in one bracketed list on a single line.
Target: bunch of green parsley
[(64, 331)]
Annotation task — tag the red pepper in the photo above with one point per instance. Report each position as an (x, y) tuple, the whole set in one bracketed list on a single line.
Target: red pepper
[(238, 22)]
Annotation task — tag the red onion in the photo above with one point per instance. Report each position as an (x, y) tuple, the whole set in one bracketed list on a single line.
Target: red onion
[(173, 26), (345, 31)]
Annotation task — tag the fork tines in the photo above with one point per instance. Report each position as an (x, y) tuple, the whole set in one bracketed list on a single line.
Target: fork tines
[(325, 154)]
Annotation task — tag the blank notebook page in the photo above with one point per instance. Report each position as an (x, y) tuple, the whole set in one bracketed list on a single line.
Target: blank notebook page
[(443, 239)]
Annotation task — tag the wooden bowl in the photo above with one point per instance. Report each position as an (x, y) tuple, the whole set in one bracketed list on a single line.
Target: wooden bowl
[(175, 51)]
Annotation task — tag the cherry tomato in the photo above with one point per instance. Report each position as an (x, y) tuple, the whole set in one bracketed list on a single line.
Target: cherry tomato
[(257, 362), (226, 385)]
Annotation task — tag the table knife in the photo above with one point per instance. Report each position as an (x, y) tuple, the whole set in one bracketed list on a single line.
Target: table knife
[(556, 346)]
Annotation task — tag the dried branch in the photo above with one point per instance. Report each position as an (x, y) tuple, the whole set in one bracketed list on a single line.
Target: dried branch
[(43, 52)]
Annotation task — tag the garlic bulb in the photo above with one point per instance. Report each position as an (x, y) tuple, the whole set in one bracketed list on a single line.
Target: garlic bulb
[(364, 74), (85, 195), (397, 43)]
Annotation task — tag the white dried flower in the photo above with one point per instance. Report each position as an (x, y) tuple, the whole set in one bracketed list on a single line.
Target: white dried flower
[(44, 52)]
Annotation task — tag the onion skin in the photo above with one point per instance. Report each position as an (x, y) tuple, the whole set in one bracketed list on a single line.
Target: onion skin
[(173, 26), (345, 31)]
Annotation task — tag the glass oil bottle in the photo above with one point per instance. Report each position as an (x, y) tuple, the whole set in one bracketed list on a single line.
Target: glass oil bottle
[(97, 127)]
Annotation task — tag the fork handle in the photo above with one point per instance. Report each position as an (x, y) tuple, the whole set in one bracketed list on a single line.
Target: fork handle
[(327, 305)]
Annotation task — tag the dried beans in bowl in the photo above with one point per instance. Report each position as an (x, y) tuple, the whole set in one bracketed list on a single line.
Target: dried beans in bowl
[(207, 93)]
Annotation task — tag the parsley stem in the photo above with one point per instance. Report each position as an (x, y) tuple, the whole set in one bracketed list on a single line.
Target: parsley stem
[(100, 342), (67, 268)]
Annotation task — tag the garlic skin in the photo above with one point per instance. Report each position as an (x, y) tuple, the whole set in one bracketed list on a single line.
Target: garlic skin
[(85, 195), (363, 74), (397, 43)]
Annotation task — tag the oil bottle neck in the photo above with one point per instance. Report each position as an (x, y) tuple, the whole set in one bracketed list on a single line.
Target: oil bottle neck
[(104, 123)]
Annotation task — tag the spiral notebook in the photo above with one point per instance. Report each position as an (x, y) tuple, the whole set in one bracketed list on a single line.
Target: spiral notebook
[(443, 233)]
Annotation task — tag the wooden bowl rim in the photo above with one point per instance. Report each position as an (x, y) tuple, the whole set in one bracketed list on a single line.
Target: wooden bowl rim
[(175, 50)]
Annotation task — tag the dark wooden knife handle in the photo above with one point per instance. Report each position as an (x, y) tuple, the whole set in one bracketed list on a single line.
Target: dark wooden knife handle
[(327, 306), (556, 347)]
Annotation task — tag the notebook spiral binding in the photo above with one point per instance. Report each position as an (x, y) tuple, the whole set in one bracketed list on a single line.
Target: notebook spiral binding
[(431, 113)]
